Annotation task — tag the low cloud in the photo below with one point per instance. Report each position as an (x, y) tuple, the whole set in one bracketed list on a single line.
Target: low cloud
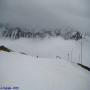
[(44, 13)]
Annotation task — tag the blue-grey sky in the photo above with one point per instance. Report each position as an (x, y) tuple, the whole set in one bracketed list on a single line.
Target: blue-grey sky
[(46, 13)]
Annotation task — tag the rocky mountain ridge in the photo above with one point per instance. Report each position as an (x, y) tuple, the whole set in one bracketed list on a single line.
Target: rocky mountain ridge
[(17, 32)]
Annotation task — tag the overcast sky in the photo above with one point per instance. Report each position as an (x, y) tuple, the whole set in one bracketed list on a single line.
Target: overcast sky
[(46, 13)]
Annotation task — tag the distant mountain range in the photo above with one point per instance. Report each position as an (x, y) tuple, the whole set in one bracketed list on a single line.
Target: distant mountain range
[(18, 32)]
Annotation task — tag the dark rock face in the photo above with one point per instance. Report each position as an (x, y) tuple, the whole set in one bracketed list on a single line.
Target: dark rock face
[(83, 66), (17, 32), (76, 36), (3, 48)]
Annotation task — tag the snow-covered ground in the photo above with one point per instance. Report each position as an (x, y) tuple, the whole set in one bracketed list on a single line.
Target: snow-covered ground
[(45, 72), (31, 73), (51, 47)]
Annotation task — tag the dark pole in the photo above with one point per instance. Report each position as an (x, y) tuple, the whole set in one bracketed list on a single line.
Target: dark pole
[(81, 50)]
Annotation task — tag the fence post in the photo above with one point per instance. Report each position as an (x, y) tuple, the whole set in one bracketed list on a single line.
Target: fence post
[(81, 50)]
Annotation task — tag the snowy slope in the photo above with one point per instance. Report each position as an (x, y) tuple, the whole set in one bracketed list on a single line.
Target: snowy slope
[(47, 48), (30, 73), (51, 47)]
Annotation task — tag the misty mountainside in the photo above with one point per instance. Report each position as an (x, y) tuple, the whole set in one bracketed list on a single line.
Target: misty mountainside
[(18, 32)]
